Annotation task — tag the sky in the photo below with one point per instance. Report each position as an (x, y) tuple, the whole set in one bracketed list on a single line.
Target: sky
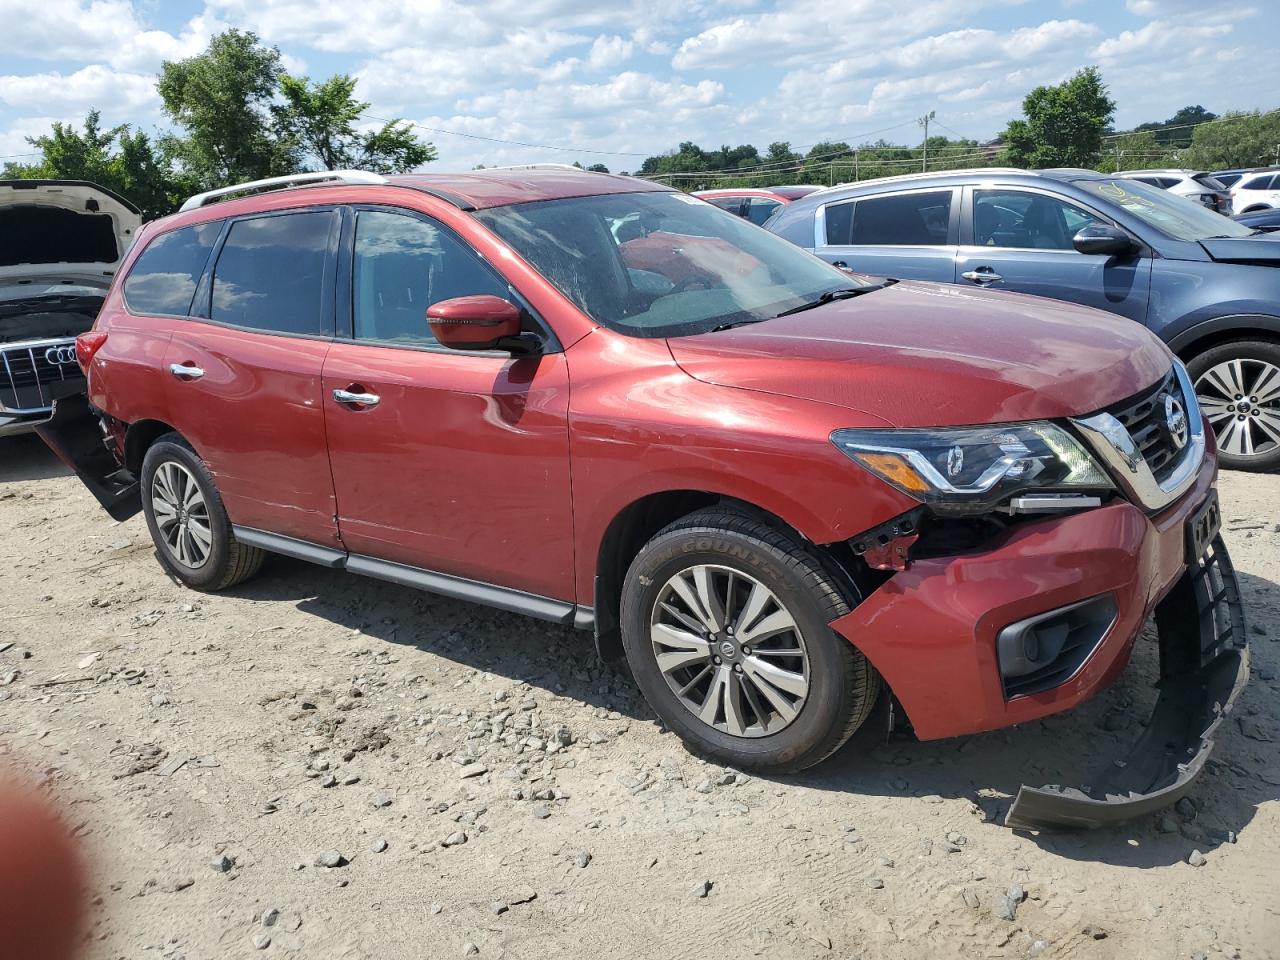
[(615, 82)]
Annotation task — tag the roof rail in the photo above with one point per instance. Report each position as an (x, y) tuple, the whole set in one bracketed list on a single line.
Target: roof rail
[(282, 183), (539, 166)]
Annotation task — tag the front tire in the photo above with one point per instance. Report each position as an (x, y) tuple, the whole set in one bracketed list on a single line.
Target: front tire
[(725, 625), (1237, 385), (188, 523)]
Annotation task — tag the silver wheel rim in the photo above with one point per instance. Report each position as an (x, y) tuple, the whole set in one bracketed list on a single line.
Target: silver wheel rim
[(182, 516), (1241, 399), (730, 651)]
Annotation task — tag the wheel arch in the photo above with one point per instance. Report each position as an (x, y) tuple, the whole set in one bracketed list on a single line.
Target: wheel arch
[(637, 523), (138, 438), (1211, 333)]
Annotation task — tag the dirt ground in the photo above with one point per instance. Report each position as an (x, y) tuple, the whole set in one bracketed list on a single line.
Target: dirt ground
[(486, 786)]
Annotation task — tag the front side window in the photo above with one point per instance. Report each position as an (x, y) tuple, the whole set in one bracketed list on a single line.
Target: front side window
[(1174, 216), (402, 266), (1264, 182), (661, 264), (1033, 221), (270, 274), (906, 219), (163, 278)]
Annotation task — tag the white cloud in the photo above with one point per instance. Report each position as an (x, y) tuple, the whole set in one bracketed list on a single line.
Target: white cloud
[(116, 93), (609, 52), (801, 27), (1157, 37), (106, 31)]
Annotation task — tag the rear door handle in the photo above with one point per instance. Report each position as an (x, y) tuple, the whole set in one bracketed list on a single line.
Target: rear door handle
[(360, 399), (185, 372), (982, 275)]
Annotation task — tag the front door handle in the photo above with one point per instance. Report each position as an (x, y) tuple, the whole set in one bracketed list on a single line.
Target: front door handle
[(983, 275), (357, 399), (841, 265), (185, 371)]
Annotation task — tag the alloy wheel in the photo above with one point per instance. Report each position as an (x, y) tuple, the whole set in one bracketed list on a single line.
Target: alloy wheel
[(730, 650), (1241, 399), (182, 516)]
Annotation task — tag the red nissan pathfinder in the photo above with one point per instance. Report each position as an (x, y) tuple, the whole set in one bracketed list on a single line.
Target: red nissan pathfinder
[(781, 491)]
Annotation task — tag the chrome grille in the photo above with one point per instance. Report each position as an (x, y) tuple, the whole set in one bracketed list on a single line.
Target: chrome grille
[(27, 377), (1144, 417)]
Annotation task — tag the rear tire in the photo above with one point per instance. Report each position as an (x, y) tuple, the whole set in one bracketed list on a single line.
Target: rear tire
[(779, 698), (188, 522), (1238, 387)]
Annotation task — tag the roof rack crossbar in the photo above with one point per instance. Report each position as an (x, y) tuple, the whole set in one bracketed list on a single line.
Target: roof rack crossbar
[(282, 183)]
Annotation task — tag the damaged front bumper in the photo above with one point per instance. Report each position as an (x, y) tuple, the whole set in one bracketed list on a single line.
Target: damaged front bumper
[(1204, 664)]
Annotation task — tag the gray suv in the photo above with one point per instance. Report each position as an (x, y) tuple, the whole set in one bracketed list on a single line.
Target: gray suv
[(1208, 286)]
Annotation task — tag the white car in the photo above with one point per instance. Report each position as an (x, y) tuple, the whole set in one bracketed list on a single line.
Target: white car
[(60, 244), (1259, 190), (1196, 185)]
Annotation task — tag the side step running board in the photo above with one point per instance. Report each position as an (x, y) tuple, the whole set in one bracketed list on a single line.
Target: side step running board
[(492, 595)]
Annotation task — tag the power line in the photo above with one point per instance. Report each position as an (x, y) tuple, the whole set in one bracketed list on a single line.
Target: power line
[(1198, 123)]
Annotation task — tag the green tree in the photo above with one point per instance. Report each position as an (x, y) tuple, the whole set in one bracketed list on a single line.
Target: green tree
[(320, 118), (1131, 151), (780, 152), (222, 99), (1064, 124), (598, 168), (1239, 140), (121, 159)]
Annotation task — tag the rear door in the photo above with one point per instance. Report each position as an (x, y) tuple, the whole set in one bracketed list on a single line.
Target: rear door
[(244, 374), (461, 464), (1019, 238), (911, 235)]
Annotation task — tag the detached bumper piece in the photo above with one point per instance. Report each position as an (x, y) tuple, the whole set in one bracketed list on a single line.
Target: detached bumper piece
[(74, 434), (1204, 664)]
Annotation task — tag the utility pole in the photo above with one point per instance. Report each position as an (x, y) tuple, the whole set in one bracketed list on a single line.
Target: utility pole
[(924, 122), (855, 165)]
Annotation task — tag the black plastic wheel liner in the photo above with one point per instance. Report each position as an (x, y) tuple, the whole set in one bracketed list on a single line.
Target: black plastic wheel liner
[(1204, 664)]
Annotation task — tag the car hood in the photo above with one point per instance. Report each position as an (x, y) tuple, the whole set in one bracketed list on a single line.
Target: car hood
[(924, 354), (62, 229), (1264, 249)]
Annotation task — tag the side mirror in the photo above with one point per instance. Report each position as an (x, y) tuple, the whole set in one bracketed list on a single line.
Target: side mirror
[(474, 323), (1102, 239)]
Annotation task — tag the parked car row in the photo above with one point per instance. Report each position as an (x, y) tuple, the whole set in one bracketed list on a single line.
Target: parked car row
[(1205, 284), (777, 488), (1197, 185)]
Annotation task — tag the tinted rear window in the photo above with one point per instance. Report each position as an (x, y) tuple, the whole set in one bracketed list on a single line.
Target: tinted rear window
[(271, 271), (164, 277), (908, 219), (1257, 183)]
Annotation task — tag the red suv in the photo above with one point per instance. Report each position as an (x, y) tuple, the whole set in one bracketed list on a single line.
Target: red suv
[(780, 490)]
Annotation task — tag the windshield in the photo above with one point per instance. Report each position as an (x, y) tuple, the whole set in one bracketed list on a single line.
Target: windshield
[(1174, 216), (663, 264)]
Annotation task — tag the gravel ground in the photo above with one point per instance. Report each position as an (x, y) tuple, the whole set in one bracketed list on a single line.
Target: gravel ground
[(318, 765)]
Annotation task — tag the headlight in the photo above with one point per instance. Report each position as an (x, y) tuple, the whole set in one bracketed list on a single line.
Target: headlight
[(973, 469)]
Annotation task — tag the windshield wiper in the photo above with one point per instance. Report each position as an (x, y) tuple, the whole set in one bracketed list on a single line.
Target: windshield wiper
[(736, 323), (833, 295)]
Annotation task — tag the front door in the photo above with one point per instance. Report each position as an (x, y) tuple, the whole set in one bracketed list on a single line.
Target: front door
[(456, 462), (1019, 239), (244, 378)]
